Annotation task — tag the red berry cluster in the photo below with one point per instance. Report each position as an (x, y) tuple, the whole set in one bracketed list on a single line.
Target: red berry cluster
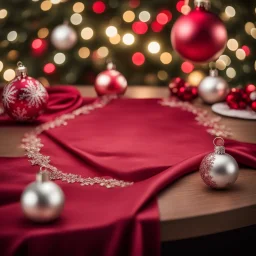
[(181, 89), (241, 98)]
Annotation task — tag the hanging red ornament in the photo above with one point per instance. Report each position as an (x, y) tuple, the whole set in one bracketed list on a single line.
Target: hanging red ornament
[(252, 100), (175, 84), (237, 99), (110, 81), (199, 36), (24, 98), (187, 93)]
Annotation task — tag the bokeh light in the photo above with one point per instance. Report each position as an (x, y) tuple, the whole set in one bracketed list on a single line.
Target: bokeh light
[(246, 50), (84, 52), (162, 18), (187, 67), (8, 75), (78, 7), (12, 36), (87, 33), (195, 77), (43, 32), (156, 27), (98, 7), (128, 39), (240, 54), (3, 13), (144, 16), (59, 58), (128, 16), (231, 73), (76, 19), (46, 6), (162, 75), (49, 68), (220, 64), (166, 58), (1, 66), (230, 11), (154, 47), (102, 52), (248, 27), (111, 31), (232, 44), (115, 39), (139, 27), (138, 58)]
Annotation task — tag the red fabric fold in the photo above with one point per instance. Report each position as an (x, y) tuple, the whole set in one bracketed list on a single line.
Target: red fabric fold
[(129, 139)]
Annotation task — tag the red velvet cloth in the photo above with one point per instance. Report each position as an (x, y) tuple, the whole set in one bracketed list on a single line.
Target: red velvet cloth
[(130, 139)]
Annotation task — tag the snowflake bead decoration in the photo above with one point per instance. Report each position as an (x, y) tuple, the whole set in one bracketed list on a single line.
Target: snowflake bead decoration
[(24, 98)]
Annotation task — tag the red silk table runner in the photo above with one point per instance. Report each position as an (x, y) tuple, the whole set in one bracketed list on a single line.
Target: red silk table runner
[(129, 139)]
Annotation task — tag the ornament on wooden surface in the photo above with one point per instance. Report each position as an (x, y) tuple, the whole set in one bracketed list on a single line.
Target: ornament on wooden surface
[(200, 36), (110, 81), (42, 200), (213, 88), (237, 99), (175, 84), (63, 37), (24, 98), (218, 169), (252, 100)]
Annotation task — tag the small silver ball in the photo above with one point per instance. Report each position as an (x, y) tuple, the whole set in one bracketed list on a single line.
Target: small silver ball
[(42, 201), (63, 37), (213, 89), (219, 170)]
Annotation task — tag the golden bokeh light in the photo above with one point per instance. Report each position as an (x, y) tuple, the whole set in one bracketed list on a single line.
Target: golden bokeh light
[(78, 7), (111, 31), (231, 73), (84, 52), (3, 13), (128, 39), (87, 33), (166, 58), (46, 6), (154, 47), (43, 32), (129, 16), (8, 75), (232, 44), (115, 39)]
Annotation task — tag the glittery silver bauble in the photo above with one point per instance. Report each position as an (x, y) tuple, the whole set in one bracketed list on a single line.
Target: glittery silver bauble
[(63, 37), (42, 200), (218, 169), (213, 88)]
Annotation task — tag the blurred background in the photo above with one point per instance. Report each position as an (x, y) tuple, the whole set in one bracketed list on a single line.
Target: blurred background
[(135, 34)]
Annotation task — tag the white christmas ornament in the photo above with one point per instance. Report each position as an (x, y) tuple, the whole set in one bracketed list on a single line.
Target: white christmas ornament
[(64, 37), (42, 200), (213, 88), (218, 169)]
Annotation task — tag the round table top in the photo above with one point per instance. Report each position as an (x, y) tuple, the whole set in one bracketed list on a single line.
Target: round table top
[(187, 207)]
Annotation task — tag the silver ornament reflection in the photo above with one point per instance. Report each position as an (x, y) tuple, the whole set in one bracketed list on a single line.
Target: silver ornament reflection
[(213, 88), (218, 169), (63, 37), (42, 200)]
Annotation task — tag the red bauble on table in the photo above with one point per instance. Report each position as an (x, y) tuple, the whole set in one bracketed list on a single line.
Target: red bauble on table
[(110, 81), (175, 84), (24, 98), (187, 93), (252, 100), (199, 36), (250, 88), (237, 99)]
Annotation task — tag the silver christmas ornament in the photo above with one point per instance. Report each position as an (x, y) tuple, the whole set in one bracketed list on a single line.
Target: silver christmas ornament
[(42, 200), (213, 88), (218, 169), (63, 37)]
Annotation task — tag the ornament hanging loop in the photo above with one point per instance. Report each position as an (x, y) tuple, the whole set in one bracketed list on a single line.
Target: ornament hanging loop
[(206, 4), (218, 138), (21, 69), (219, 149)]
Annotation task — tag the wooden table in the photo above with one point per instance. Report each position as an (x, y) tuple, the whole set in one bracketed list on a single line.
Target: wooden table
[(187, 207)]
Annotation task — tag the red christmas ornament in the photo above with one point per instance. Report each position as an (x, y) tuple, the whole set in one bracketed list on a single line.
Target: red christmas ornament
[(24, 98), (250, 88), (199, 36), (187, 93), (175, 84), (252, 100), (237, 99), (110, 81)]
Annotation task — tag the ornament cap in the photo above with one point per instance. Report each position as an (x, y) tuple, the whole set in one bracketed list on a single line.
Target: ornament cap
[(21, 69), (214, 72), (42, 176), (111, 65), (203, 3)]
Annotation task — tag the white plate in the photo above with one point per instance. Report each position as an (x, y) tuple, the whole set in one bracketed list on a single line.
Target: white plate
[(223, 109)]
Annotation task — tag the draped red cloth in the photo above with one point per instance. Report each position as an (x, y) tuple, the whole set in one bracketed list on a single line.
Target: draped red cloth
[(129, 139)]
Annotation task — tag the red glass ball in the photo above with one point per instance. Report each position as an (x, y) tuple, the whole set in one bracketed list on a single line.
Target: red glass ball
[(237, 99), (252, 100), (187, 93), (24, 98), (250, 88), (175, 84), (110, 82), (199, 36)]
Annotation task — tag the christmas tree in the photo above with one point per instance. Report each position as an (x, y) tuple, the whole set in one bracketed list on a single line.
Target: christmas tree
[(134, 34)]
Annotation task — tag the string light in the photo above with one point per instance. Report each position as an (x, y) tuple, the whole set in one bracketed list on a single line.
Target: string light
[(231, 73), (102, 52), (138, 58), (1, 66), (3, 13), (8, 75), (195, 77), (111, 31), (128, 16), (240, 54), (76, 18), (115, 39), (154, 47), (162, 75), (87, 33), (232, 44), (78, 7), (12, 36), (84, 52), (226, 59), (230, 11), (59, 58), (220, 64), (43, 32), (248, 27), (46, 6), (166, 58), (144, 16), (128, 39)]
